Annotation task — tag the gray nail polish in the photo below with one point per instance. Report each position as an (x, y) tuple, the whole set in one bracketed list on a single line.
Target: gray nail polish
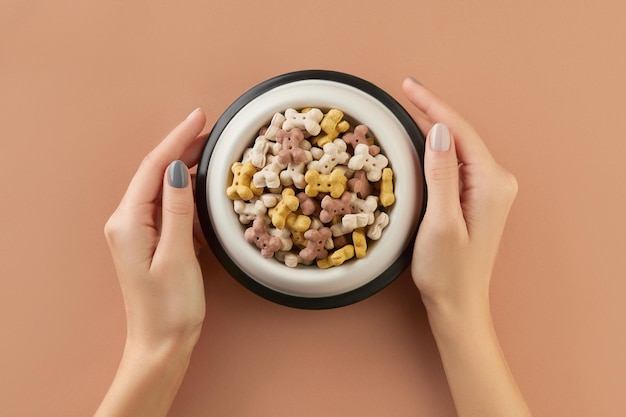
[(178, 174), (415, 80)]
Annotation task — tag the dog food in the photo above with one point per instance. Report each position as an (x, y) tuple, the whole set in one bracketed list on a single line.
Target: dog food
[(311, 190)]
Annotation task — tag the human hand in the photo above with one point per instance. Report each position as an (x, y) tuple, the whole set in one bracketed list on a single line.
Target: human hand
[(469, 197), (151, 240)]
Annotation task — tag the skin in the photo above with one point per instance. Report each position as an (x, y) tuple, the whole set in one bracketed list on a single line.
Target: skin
[(465, 217), (160, 278), (151, 239)]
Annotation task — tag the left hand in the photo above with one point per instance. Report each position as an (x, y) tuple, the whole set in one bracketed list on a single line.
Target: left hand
[(150, 236)]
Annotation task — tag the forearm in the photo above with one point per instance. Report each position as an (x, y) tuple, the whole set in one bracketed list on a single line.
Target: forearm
[(146, 382), (478, 376)]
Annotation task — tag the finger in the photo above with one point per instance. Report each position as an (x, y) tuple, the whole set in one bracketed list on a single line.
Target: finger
[(191, 156), (469, 146), (423, 122), (177, 211), (147, 182), (442, 175)]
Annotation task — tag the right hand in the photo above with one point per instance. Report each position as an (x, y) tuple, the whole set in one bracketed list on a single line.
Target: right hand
[(469, 197)]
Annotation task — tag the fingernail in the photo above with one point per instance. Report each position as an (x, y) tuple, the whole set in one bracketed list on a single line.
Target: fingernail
[(416, 81), (192, 113), (178, 174), (440, 138)]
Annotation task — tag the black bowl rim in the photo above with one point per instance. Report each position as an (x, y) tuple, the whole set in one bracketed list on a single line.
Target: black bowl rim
[(309, 303)]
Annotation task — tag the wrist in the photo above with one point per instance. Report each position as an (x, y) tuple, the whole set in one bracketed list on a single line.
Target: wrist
[(147, 379), (151, 337), (450, 317), (176, 350)]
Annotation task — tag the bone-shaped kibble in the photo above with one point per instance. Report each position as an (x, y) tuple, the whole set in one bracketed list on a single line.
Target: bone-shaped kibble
[(362, 214), (269, 176), (298, 222), (308, 205), (258, 235), (340, 241), (275, 125), (355, 220), (360, 243), (360, 185), (332, 207), (334, 153), (337, 258), (298, 238), (317, 152), (309, 121), (290, 259), (316, 223), (375, 230), (333, 183), (386, 196), (285, 237), (294, 173), (349, 218), (339, 229), (350, 222), (316, 241), (249, 211), (347, 172), (372, 165), (332, 125), (270, 199), (368, 205), (359, 136), (258, 152), (242, 187), (284, 208), (292, 151)]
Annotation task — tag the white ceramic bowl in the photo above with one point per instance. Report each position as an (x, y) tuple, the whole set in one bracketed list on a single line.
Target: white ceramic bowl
[(309, 286)]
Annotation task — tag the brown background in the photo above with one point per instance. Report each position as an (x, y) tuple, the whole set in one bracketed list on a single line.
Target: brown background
[(87, 88)]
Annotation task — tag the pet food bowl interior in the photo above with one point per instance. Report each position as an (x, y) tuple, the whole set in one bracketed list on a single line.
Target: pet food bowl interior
[(310, 287)]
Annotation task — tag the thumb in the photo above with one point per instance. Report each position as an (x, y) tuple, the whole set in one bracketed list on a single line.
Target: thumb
[(177, 210), (441, 170)]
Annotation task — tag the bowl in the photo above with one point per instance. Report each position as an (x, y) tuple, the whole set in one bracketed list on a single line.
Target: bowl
[(310, 287)]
